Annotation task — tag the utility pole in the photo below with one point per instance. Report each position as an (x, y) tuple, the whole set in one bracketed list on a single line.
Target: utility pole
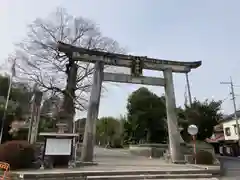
[(234, 106), (35, 115), (31, 119)]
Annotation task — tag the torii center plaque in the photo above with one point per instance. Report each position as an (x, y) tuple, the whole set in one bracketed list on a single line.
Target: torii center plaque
[(137, 64)]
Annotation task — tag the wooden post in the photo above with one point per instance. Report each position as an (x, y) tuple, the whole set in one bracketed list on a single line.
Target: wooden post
[(194, 149)]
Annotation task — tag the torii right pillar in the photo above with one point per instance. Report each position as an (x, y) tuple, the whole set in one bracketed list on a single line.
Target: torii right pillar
[(173, 131)]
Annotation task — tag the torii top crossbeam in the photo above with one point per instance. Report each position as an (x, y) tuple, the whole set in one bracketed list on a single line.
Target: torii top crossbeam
[(123, 60)]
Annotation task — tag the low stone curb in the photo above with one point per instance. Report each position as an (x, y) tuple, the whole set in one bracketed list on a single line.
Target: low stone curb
[(158, 176), (51, 174), (204, 167), (80, 164)]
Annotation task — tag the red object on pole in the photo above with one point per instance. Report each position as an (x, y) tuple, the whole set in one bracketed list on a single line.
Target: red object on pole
[(194, 149)]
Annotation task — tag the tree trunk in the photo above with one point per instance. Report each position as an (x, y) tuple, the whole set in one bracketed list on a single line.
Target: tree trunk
[(68, 108)]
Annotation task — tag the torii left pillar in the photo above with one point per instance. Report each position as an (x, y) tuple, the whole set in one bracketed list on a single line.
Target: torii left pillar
[(92, 114)]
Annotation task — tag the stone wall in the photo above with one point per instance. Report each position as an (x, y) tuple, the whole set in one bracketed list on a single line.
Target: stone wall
[(158, 150), (148, 150)]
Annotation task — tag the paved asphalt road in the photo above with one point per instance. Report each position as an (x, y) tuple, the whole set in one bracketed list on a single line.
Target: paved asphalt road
[(122, 159), (231, 166), (110, 153)]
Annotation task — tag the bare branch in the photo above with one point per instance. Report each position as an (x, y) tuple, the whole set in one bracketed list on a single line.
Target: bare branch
[(40, 62)]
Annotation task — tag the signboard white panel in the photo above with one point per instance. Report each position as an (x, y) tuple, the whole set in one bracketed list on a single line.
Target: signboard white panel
[(58, 146)]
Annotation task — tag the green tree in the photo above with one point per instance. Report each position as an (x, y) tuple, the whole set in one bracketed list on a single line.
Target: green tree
[(18, 105), (146, 117), (19, 98), (80, 127), (205, 115), (46, 124), (108, 128), (49, 111), (51, 106)]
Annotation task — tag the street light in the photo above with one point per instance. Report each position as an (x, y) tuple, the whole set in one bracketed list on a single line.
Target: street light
[(193, 130)]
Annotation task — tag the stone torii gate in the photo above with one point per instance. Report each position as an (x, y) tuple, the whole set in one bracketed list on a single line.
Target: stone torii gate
[(137, 64)]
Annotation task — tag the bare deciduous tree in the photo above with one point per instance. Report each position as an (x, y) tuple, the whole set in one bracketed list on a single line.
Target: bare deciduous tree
[(40, 62)]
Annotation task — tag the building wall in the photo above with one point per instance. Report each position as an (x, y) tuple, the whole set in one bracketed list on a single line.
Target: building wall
[(230, 130)]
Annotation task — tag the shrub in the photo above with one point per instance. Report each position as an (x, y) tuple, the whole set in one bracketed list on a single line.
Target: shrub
[(19, 154), (117, 143), (204, 157)]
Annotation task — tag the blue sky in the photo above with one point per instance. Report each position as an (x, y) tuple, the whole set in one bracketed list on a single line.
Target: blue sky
[(170, 29)]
